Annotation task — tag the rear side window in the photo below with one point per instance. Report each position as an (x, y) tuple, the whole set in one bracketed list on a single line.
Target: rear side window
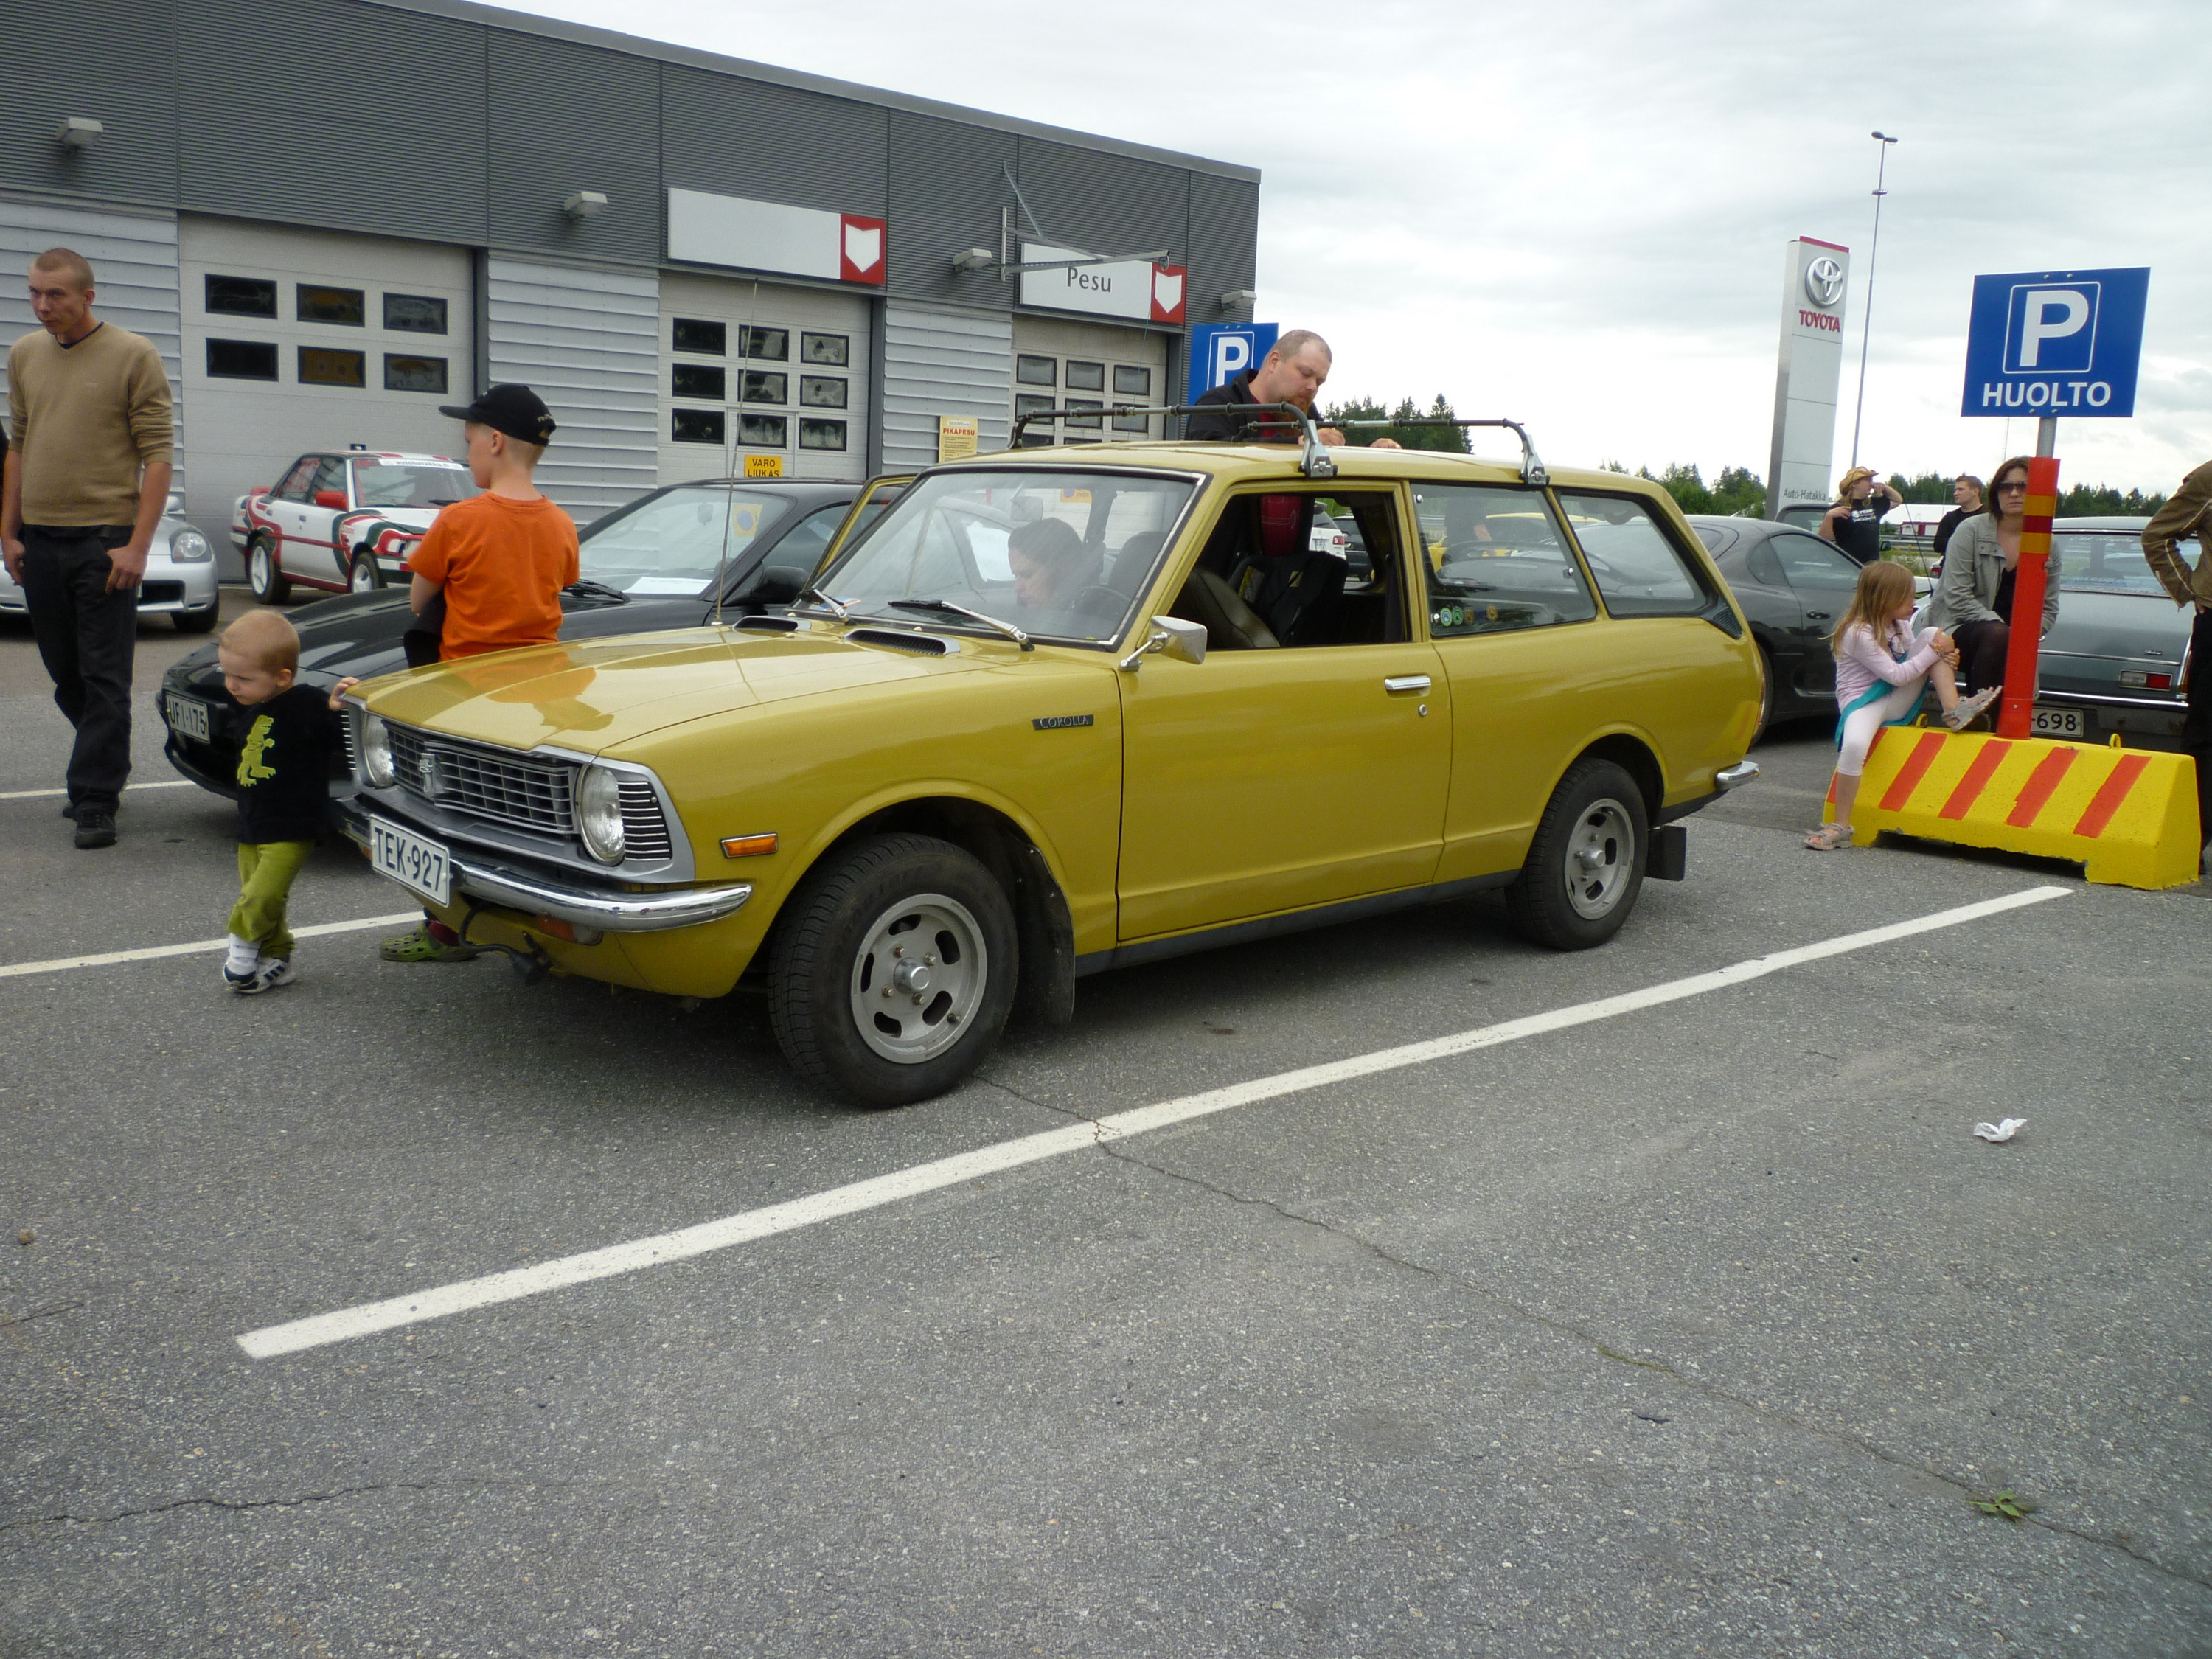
[(1812, 566), (1496, 561), (1635, 564)]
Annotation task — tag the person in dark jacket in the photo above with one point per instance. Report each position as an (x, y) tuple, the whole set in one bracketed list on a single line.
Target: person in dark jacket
[(1966, 490), (2188, 512), (1292, 373)]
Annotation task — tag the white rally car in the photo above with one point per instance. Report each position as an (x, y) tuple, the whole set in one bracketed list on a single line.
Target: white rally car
[(342, 520)]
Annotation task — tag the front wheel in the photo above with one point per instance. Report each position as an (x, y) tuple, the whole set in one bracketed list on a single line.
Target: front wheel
[(892, 970), (363, 576), (264, 574), (197, 622), (1585, 866)]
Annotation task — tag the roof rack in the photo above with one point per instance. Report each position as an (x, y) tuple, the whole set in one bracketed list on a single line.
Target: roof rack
[(1313, 459)]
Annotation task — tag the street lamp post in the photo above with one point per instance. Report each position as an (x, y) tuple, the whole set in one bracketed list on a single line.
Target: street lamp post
[(1874, 249)]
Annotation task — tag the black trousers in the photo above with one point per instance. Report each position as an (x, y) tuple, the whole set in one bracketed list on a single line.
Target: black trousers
[(88, 638), (1982, 648), (2196, 726)]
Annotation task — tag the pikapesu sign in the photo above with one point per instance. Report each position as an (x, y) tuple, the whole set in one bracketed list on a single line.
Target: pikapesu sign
[(1131, 289), (773, 236), (2056, 342)]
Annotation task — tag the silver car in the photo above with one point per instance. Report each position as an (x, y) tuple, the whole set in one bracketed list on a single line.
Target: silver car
[(179, 581)]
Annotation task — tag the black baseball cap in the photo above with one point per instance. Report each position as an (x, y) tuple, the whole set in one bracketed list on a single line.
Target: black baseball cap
[(514, 410)]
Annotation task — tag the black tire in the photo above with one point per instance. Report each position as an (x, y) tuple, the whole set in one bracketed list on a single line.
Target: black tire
[(832, 946), (198, 622), (364, 575), (264, 574), (1597, 812)]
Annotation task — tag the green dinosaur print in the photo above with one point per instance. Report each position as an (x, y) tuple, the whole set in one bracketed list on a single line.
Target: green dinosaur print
[(251, 768)]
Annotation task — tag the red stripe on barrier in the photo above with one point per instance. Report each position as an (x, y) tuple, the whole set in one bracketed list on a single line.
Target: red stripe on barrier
[(2040, 783), (1977, 780), (1915, 769), (2107, 799)]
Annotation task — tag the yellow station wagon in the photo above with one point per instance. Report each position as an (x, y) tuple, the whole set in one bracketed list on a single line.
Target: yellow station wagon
[(1054, 711)]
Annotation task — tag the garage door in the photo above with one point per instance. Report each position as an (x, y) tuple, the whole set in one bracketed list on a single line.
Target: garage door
[(1062, 365), (297, 339), (762, 369)]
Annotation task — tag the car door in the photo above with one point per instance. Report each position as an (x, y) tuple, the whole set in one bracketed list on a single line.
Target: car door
[(317, 558), (1269, 777), (283, 507), (1776, 613), (1823, 579)]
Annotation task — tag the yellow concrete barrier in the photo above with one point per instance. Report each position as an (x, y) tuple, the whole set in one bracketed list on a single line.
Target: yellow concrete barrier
[(2129, 814)]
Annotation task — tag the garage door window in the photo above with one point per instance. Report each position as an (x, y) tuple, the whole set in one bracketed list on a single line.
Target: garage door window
[(1497, 562), (696, 426), (766, 386), (1132, 382), (771, 345), (414, 374), (1085, 377), (822, 391), (1639, 570), (821, 435), (1038, 371), (324, 366), (414, 313), (242, 297), (702, 338), (342, 307), (764, 431), (698, 381), (830, 350), (241, 360)]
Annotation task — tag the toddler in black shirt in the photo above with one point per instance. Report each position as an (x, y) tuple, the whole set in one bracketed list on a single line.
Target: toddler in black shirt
[(284, 781)]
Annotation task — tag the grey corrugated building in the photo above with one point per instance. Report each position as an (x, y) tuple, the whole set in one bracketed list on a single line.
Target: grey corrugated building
[(333, 215)]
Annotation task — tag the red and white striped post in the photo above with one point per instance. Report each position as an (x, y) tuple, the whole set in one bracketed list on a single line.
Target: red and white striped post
[(2016, 714)]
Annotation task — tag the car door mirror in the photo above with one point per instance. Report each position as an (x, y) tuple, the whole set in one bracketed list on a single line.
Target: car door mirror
[(331, 498), (1171, 637)]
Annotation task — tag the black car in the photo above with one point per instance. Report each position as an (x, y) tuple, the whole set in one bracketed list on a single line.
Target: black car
[(1793, 587), (647, 567)]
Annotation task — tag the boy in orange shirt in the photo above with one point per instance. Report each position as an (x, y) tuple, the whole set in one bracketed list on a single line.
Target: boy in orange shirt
[(498, 560)]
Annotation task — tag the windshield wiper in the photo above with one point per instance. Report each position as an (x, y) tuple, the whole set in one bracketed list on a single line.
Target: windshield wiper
[(838, 608), (1006, 628), (597, 591)]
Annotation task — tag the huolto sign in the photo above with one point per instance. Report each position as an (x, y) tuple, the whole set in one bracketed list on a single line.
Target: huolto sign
[(2056, 342)]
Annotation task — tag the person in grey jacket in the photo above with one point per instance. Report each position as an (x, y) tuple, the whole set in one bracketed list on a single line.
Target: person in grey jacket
[(1973, 602)]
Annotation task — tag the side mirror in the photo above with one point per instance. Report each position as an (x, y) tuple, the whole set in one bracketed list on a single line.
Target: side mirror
[(771, 584), (1171, 637), (331, 498)]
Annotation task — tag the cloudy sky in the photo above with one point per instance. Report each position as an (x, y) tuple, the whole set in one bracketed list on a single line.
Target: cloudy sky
[(1574, 213)]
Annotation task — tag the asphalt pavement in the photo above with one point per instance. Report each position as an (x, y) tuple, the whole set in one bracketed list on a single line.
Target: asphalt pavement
[(1694, 1328)]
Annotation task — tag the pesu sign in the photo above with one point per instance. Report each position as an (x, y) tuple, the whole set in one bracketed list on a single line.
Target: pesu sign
[(2056, 342)]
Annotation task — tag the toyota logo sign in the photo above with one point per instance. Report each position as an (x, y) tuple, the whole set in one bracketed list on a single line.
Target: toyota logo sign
[(1823, 283)]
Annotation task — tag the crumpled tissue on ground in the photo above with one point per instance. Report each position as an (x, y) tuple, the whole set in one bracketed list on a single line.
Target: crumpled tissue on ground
[(2002, 1130)]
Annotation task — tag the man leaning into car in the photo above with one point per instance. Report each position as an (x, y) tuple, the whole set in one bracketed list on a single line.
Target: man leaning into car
[(2188, 512), (87, 479), (1291, 373)]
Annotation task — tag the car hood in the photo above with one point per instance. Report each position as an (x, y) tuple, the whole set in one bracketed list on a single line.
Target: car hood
[(596, 696)]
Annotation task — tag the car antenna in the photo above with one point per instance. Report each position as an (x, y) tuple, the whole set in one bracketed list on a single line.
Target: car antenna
[(722, 564)]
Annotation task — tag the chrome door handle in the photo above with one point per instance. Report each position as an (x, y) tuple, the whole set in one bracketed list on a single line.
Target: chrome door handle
[(1405, 682)]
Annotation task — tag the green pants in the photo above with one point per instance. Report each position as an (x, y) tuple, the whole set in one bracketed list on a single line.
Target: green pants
[(265, 882)]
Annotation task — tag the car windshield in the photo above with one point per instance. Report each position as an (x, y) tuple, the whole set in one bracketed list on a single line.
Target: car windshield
[(1061, 554), (407, 483), (673, 541), (2103, 561)]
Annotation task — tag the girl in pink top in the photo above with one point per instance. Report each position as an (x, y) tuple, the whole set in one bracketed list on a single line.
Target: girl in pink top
[(1883, 670)]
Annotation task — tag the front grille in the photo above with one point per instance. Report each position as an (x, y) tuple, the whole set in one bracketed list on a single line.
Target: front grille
[(485, 783), (346, 724), (160, 593), (645, 832)]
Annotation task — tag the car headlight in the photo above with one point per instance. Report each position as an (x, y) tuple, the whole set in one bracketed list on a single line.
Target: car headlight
[(189, 547), (599, 814), (376, 751)]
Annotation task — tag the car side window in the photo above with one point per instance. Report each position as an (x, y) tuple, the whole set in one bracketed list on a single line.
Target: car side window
[(1638, 568), (1496, 561), (330, 474), (1812, 566), (294, 485), (1766, 569)]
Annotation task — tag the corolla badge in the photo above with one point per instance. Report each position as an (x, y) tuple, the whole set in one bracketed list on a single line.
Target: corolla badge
[(1823, 283), (427, 768)]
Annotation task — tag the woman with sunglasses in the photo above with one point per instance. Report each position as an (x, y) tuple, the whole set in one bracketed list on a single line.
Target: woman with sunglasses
[(1973, 602)]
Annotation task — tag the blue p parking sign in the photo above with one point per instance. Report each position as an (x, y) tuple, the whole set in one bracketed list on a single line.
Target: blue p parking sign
[(1219, 352), (2056, 342)]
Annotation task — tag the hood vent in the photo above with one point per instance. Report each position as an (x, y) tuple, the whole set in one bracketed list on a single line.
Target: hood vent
[(771, 624), (922, 644)]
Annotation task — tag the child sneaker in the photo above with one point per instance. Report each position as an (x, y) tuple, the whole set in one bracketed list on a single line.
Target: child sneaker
[(241, 982), (272, 973)]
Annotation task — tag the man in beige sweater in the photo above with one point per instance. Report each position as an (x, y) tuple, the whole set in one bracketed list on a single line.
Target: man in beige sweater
[(86, 480)]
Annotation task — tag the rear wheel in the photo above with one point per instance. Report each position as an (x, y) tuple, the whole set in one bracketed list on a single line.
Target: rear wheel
[(263, 574), (197, 622), (892, 970), (363, 576), (1585, 866)]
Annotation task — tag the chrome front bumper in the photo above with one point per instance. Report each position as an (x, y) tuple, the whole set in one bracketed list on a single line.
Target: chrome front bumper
[(489, 882)]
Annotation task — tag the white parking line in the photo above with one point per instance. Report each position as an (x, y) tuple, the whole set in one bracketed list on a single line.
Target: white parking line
[(34, 794), (517, 1282), (152, 952)]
